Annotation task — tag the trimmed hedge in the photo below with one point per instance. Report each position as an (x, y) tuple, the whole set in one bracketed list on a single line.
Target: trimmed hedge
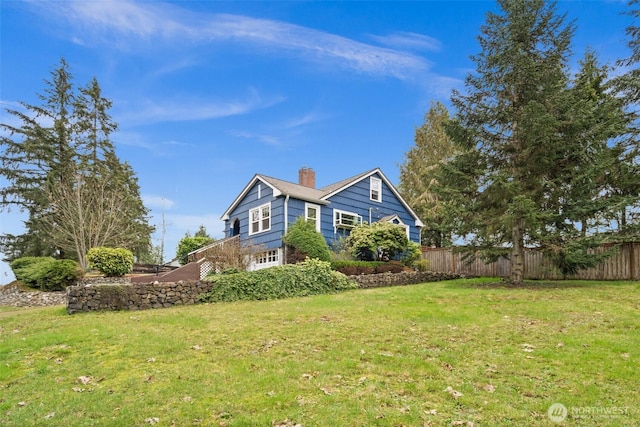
[(310, 277), (46, 273), (112, 262), (356, 268)]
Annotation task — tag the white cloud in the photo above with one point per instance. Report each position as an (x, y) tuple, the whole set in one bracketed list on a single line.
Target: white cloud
[(131, 25), (152, 201), (304, 120), (265, 139), (151, 111), (406, 40)]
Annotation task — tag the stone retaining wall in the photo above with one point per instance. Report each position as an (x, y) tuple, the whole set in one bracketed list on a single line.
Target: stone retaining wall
[(108, 295), (14, 296), (399, 279), (127, 296)]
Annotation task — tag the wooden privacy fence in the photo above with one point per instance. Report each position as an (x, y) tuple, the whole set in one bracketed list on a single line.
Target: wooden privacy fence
[(624, 264)]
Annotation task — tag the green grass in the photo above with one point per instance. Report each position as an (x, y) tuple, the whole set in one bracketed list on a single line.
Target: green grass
[(379, 357)]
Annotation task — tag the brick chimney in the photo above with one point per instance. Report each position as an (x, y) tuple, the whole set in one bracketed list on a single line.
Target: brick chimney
[(307, 177)]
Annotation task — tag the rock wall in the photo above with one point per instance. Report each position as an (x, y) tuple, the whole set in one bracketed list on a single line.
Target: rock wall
[(127, 296), (110, 294), (399, 279), (11, 295)]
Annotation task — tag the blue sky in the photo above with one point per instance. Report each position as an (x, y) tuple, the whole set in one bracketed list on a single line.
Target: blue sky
[(206, 94)]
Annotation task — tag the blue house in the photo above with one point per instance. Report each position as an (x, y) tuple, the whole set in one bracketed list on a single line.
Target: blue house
[(266, 206)]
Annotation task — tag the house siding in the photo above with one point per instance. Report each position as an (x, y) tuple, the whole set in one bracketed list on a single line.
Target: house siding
[(356, 199), (271, 239)]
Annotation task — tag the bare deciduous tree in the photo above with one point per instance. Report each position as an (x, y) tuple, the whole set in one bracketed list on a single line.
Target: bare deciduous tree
[(87, 212)]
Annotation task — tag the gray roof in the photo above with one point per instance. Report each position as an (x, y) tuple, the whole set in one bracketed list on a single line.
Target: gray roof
[(294, 190), (319, 196)]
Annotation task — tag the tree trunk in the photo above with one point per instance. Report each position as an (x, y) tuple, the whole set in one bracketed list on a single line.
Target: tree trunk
[(517, 253)]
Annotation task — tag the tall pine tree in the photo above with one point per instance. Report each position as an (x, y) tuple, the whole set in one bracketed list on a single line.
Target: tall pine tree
[(418, 176), (62, 169), (538, 149)]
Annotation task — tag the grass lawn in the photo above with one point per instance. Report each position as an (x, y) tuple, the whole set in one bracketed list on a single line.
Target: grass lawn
[(465, 352)]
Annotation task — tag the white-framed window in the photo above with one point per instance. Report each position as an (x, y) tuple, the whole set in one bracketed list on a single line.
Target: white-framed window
[(375, 189), (267, 257), (312, 214), (260, 219), (345, 219), (259, 191), (270, 258)]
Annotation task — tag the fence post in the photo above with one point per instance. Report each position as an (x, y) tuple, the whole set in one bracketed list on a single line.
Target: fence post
[(453, 261), (632, 261)]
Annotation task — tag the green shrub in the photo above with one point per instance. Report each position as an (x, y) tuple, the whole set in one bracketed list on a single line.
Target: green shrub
[(354, 268), (304, 241), (112, 262), (189, 244), (21, 267), (421, 265), (46, 273), (310, 277), (412, 254), (380, 241)]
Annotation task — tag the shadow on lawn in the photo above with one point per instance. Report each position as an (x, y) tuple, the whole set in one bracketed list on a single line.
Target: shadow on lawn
[(536, 285)]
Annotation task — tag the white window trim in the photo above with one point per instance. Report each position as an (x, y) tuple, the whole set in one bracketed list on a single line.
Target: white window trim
[(407, 229), (259, 191), (260, 219), (372, 183), (306, 211), (266, 259), (337, 219)]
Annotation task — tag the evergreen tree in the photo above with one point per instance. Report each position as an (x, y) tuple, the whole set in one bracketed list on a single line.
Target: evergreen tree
[(582, 200), (61, 167), (94, 126), (540, 152), (36, 155), (418, 175), (627, 171)]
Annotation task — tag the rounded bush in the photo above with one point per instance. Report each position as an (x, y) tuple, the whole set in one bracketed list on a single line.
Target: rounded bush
[(112, 262), (46, 273), (305, 241)]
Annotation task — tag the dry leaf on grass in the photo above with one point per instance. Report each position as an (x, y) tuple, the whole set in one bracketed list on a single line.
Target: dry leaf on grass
[(326, 391), (456, 394), (84, 379), (152, 421), (489, 387), (49, 415), (527, 348), (196, 347)]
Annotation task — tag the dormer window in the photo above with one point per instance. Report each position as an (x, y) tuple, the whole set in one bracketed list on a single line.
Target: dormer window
[(375, 189)]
